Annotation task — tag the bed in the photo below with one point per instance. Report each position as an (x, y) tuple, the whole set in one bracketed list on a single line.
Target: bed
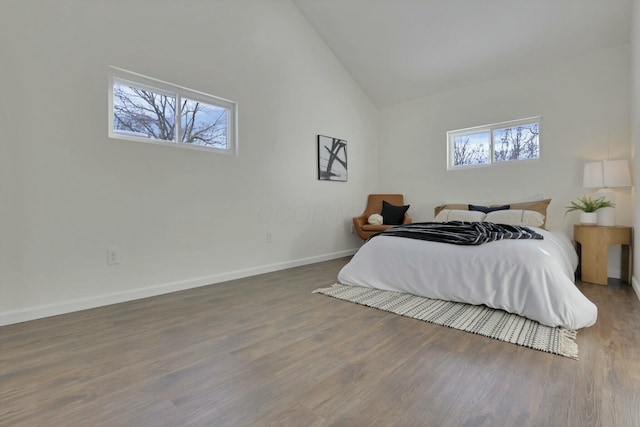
[(532, 278)]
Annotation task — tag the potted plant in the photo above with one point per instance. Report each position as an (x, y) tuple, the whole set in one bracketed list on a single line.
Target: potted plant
[(588, 207)]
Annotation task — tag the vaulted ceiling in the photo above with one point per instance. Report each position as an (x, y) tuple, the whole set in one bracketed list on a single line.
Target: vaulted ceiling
[(398, 50)]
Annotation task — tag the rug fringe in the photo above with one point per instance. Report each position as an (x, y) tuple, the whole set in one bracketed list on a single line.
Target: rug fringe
[(568, 345), (321, 290)]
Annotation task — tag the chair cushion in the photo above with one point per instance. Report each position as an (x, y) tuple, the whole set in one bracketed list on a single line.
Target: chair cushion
[(392, 214), (374, 227)]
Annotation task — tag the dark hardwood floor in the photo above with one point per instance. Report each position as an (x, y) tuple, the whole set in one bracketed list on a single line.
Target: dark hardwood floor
[(264, 351)]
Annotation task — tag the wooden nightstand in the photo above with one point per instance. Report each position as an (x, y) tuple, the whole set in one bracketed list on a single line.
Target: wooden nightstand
[(593, 244)]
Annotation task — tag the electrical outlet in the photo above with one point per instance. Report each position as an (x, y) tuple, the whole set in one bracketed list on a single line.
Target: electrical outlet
[(269, 237), (113, 257)]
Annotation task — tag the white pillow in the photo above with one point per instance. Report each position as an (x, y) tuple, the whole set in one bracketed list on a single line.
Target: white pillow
[(375, 219), (446, 215), (516, 217)]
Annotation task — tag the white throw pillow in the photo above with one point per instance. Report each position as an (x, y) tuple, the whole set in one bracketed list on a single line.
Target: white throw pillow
[(516, 217), (447, 215), (375, 219)]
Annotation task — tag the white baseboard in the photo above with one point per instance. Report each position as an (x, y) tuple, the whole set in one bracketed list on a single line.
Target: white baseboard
[(38, 312), (636, 286), (616, 273)]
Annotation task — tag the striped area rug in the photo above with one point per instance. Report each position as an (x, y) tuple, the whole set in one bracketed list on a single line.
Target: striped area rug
[(478, 319)]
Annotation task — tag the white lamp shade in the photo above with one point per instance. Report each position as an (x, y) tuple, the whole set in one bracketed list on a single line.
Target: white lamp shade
[(616, 173), (606, 173)]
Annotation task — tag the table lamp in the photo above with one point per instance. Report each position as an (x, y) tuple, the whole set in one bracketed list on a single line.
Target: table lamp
[(606, 174)]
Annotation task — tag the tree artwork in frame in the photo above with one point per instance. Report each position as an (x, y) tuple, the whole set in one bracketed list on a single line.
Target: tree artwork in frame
[(332, 159)]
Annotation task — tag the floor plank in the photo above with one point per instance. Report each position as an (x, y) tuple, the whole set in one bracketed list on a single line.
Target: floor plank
[(264, 351)]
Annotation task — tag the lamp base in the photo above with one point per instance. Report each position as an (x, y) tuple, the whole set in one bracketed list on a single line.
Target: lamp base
[(607, 217)]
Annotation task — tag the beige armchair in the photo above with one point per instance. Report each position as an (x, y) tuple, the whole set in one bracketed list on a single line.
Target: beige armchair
[(374, 206)]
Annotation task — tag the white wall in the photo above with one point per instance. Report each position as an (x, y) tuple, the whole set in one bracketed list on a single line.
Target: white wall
[(584, 104), (635, 132), (179, 217)]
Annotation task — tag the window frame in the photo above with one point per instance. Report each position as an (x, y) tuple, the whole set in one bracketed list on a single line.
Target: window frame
[(122, 76), (452, 134)]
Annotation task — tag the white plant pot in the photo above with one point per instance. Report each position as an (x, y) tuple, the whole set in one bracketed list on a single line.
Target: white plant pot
[(589, 218)]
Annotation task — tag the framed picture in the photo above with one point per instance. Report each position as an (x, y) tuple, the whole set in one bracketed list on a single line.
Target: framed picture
[(332, 159)]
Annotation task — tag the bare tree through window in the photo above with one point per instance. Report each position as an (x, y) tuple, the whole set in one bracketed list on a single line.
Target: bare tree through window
[(501, 142), (145, 113), (204, 124), (471, 149), (151, 114), (516, 143)]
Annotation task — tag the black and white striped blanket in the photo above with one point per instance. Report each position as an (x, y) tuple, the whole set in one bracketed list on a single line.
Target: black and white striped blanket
[(460, 233)]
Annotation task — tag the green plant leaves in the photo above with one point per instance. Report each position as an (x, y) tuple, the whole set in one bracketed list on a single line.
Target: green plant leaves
[(587, 204)]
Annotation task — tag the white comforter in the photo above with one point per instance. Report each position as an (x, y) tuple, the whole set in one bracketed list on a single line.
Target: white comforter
[(532, 278)]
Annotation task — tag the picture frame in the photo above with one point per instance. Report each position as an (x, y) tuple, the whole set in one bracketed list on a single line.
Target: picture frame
[(332, 159)]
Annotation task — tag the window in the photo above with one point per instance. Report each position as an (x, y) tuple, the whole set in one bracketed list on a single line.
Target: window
[(497, 143), (149, 110)]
